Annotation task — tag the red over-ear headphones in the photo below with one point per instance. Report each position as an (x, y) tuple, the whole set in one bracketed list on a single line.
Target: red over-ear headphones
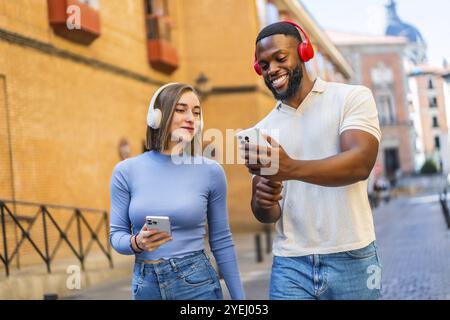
[(305, 49)]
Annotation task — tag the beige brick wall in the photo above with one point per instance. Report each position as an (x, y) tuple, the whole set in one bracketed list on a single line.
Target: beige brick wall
[(66, 122), (5, 156), (218, 39)]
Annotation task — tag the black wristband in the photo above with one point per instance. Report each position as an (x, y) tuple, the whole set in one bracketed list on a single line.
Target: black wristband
[(135, 242)]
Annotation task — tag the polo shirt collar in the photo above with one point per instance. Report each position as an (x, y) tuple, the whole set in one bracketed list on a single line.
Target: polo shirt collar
[(318, 87)]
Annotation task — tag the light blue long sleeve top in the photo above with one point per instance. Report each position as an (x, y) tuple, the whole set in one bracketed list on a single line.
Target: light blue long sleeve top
[(151, 184)]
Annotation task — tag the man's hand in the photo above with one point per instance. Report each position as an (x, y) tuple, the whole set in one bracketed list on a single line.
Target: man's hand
[(265, 197), (267, 193), (270, 162)]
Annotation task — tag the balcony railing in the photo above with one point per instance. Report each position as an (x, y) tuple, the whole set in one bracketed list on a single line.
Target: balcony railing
[(162, 55)]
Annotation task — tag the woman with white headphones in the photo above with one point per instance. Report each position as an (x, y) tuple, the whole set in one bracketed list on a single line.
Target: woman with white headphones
[(172, 264)]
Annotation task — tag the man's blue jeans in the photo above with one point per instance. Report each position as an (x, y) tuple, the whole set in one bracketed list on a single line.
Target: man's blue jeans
[(348, 275)]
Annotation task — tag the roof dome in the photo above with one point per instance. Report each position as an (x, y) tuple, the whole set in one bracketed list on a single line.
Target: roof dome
[(396, 27)]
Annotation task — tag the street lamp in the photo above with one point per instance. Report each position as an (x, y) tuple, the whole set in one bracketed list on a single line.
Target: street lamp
[(203, 85)]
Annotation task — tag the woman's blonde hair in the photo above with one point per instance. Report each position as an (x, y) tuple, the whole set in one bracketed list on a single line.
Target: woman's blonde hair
[(158, 139)]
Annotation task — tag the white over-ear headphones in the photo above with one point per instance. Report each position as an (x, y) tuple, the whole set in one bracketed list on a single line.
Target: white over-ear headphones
[(154, 115)]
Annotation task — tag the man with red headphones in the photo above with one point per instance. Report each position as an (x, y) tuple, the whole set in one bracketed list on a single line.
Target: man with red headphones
[(327, 145)]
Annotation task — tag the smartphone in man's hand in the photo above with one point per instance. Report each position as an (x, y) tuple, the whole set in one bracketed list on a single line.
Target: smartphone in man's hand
[(252, 136)]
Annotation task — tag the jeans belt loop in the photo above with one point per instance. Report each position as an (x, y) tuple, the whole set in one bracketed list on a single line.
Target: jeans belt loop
[(142, 269), (173, 264)]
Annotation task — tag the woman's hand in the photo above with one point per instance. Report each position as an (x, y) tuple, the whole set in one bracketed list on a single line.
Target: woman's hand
[(150, 240)]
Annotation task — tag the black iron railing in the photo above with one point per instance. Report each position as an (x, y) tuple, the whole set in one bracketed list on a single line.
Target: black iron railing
[(44, 212)]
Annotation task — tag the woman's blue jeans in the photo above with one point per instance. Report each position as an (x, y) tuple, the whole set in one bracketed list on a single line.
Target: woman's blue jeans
[(187, 278)]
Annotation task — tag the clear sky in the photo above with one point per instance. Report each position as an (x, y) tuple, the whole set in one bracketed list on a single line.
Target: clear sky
[(431, 17)]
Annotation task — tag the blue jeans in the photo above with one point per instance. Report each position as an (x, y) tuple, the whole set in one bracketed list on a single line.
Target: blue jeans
[(187, 278), (349, 275)]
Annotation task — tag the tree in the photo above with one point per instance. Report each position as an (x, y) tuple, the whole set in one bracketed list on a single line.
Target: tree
[(429, 167)]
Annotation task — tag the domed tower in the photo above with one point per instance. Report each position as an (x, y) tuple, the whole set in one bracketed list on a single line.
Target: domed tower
[(417, 47)]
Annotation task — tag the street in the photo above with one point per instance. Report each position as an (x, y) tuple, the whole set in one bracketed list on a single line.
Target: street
[(414, 247)]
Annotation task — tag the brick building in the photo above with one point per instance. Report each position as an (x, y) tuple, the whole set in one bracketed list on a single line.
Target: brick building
[(76, 78), (428, 99), (377, 62)]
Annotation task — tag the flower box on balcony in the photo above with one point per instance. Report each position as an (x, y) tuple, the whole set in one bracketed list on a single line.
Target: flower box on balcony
[(162, 55), (89, 20)]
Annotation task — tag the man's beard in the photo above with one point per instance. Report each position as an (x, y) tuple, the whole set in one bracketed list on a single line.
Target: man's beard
[(295, 78)]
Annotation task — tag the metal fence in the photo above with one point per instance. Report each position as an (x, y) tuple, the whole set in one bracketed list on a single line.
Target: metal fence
[(51, 234)]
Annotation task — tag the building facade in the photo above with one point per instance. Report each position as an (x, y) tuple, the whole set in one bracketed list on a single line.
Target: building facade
[(377, 62), (76, 78), (446, 82), (426, 99)]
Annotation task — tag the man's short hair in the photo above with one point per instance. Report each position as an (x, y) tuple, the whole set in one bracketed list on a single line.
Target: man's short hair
[(279, 28)]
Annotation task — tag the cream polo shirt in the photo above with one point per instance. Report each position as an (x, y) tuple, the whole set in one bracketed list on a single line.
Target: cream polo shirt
[(317, 219)]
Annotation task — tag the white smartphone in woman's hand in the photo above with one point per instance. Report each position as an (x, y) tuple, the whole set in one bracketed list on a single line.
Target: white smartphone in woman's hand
[(160, 223)]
